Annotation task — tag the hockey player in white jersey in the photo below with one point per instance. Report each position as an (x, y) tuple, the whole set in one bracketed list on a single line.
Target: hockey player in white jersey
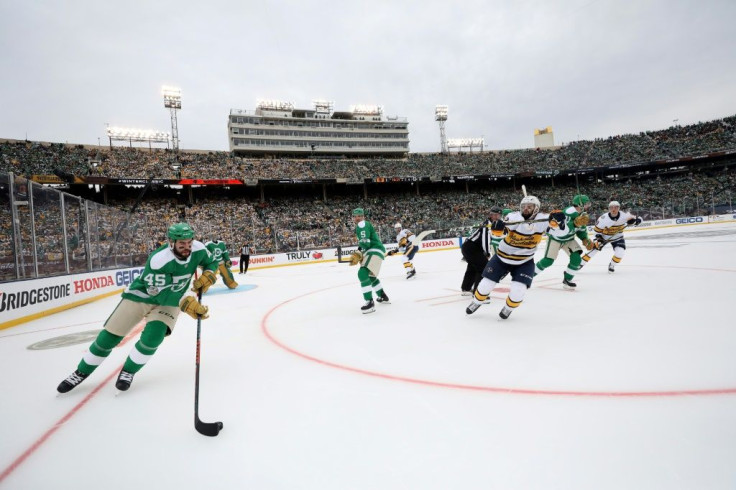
[(609, 229), (407, 248), (515, 255)]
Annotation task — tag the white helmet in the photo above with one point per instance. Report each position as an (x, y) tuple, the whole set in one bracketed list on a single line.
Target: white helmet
[(530, 200), (614, 203), (397, 226)]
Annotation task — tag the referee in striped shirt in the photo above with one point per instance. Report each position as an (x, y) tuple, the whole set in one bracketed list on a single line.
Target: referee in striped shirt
[(476, 250), (245, 252)]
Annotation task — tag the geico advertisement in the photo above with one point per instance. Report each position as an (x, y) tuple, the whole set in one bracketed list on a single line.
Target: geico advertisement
[(22, 298)]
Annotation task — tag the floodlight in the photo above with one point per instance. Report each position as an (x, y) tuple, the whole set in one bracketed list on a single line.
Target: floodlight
[(133, 134), (323, 106), (278, 105), (367, 109), (172, 101), (440, 113), (465, 143), (172, 97)]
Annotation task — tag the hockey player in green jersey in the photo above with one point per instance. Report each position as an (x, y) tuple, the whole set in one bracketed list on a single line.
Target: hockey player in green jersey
[(156, 298), (370, 255), (218, 249), (576, 221)]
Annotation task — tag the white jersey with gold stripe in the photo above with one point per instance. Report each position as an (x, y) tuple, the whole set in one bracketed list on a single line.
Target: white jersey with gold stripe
[(610, 227), (404, 238), (522, 239)]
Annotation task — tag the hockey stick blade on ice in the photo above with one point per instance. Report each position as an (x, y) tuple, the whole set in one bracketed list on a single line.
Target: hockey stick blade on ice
[(210, 429)]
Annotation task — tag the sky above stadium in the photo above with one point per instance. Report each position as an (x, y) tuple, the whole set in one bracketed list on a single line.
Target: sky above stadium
[(587, 68)]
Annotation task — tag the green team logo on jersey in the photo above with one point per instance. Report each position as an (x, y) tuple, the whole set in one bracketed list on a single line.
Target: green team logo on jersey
[(157, 283)]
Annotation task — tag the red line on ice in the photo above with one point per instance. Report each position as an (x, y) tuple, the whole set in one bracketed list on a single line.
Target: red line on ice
[(28, 452), (460, 386)]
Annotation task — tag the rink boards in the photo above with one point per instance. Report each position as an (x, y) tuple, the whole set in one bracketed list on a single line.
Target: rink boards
[(23, 301)]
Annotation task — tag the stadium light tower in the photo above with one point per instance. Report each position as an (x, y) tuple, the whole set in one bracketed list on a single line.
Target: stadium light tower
[(172, 101), (440, 115)]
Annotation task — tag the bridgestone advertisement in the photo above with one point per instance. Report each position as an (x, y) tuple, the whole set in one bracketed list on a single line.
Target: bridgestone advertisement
[(22, 301)]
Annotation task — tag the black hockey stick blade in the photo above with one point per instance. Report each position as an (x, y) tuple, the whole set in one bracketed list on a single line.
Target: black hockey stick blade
[(210, 429)]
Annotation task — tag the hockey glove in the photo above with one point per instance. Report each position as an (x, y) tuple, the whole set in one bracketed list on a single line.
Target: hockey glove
[(582, 220), (193, 308), (228, 263), (634, 221), (588, 244), (498, 225), (356, 257), (557, 219), (203, 282)]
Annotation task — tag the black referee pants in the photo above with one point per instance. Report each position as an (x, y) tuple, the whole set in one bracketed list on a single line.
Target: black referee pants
[(244, 260), (477, 260)]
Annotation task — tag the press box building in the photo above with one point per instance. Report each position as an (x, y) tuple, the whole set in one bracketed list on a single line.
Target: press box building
[(277, 128)]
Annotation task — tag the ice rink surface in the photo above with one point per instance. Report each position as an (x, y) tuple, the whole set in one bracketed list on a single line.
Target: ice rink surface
[(627, 382)]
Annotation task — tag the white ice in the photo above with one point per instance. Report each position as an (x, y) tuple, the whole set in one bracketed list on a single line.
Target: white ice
[(627, 383)]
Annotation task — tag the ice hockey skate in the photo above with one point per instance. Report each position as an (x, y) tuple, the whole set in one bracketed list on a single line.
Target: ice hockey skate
[(611, 270), (569, 285), (124, 380), (383, 298), (472, 307), (505, 312), (411, 273), (70, 382), (368, 307)]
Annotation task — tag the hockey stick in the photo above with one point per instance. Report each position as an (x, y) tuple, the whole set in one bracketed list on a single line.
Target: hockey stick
[(205, 428), (606, 242), (423, 234)]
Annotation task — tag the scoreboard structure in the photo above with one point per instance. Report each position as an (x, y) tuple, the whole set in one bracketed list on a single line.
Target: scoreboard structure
[(278, 128), (544, 138)]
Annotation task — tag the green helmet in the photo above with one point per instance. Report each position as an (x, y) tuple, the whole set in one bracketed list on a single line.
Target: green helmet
[(358, 212), (580, 200), (505, 212), (180, 231)]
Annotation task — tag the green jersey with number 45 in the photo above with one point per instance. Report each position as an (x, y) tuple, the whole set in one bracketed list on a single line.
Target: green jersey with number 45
[(165, 279)]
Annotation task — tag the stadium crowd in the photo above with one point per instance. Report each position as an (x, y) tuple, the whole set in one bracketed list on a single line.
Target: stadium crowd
[(28, 158), (311, 219), (290, 223)]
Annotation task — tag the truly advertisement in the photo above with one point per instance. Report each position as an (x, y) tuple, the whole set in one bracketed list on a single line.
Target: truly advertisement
[(305, 255), (298, 256), (25, 300)]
